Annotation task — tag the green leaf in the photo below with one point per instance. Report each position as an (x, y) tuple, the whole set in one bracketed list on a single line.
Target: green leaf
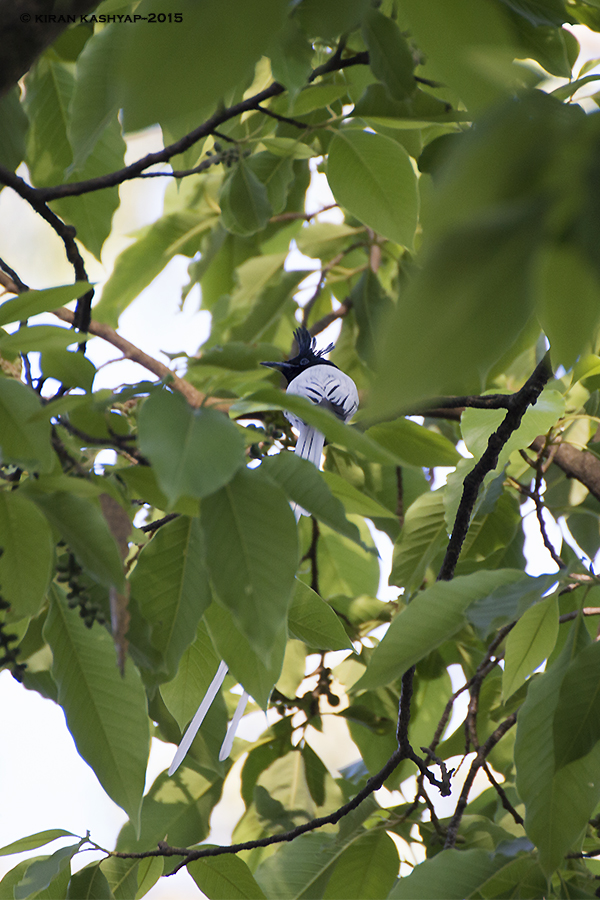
[(372, 177), (43, 871), (577, 717), (171, 586), (194, 451), (317, 96), (245, 207), (564, 271), (89, 884), (252, 554), (366, 870), (139, 264), (121, 875), (303, 483), (313, 621), (301, 868), (106, 713), (31, 303), (149, 871), (178, 805), (36, 337), (24, 441), (390, 57), (371, 306), (49, 89), (69, 367), (415, 444), (256, 672), (186, 59), (28, 554), (225, 877), (354, 500), (529, 643), (453, 874), (92, 213), (465, 338), (13, 135), (291, 57), (470, 44), (81, 524), (423, 535), (197, 668), (508, 602), (35, 840), (345, 568), (558, 804), (94, 102), (434, 616)]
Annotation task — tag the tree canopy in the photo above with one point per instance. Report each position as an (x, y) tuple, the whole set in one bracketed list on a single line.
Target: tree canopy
[(464, 272)]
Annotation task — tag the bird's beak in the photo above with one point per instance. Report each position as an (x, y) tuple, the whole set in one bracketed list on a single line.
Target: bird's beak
[(274, 365)]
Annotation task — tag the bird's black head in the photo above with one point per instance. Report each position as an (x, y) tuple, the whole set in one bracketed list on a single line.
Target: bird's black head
[(307, 356)]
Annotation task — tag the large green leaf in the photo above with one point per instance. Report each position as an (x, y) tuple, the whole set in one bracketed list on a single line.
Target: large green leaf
[(529, 643), (28, 554), (252, 553), (105, 712), (139, 264), (372, 177), (49, 90), (565, 271), (31, 303), (42, 872), (344, 568), (194, 451), (81, 524), (423, 535), (24, 441), (32, 841), (390, 56), (558, 804), (469, 44), (256, 672), (171, 586), (434, 616), (454, 874), (94, 102), (303, 483), (92, 213), (184, 56), (366, 870), (465, 338), (313, 621), (245, 207), (415, 444), (225, 877), (577, 717), (178, 805), (197, 668)]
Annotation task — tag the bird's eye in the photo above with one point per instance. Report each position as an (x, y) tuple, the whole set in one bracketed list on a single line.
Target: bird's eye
[(304, 361)]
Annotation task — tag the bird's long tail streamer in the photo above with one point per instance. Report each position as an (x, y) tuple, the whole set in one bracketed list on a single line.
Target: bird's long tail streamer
[(309, 446), (237, 716), (196, 722)]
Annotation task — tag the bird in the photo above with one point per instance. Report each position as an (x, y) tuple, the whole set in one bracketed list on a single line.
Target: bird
[(308, 375)]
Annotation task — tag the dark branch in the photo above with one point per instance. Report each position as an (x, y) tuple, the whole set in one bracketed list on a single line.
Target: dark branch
[(517, 405)]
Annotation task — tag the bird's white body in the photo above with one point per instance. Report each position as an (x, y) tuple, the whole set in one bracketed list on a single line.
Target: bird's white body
[(325, 386)]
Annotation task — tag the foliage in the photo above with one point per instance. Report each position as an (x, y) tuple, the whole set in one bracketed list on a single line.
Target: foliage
[(465, 244)]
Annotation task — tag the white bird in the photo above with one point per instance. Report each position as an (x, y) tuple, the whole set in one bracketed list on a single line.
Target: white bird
[(320, 381)]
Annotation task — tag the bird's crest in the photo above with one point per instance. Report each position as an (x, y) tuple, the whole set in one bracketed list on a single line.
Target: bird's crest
[(308, 344)]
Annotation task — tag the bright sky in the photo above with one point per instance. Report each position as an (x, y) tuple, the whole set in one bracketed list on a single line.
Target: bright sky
[(43, 781)]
